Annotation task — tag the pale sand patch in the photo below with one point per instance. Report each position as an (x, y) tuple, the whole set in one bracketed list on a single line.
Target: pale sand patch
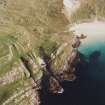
[(95, 31)]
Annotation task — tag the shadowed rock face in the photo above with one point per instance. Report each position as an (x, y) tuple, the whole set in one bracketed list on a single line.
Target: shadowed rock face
[(51, 85), (55, 86), (65, 76), (55, 78), (47, 79), (50, 80), (74, 58), (69, 67), (67, 73)]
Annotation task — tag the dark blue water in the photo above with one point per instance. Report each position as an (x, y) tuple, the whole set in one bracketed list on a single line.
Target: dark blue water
[(93, 77), (89, 87)]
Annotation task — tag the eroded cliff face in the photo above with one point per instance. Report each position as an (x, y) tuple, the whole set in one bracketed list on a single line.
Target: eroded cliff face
[(25, 25)]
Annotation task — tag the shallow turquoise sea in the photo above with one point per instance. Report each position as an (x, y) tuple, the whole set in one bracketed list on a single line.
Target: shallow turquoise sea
[(96, 69), (95, 46)]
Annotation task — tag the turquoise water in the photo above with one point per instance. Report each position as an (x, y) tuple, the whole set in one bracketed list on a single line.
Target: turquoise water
[(92, 76), (90, 48), (96, 69), (93, 80), (94, 43)]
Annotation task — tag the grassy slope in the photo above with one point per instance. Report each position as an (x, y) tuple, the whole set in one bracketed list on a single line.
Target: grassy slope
[(89, 9), (32, 23), (27, 25)]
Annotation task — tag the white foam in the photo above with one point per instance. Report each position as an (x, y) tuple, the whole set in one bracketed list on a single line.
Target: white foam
[(61, 91)]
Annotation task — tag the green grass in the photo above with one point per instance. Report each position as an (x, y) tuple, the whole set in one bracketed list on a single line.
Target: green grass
[(49, 45), (6, 63), (2, 51)]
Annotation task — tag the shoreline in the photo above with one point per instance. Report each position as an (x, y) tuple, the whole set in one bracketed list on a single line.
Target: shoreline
[(95, 31)]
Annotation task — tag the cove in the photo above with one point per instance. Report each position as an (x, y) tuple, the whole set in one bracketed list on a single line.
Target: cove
[(93, 45), (92, 79)]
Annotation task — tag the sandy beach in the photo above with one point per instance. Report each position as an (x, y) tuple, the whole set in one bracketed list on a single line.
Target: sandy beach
[(95, 31)]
